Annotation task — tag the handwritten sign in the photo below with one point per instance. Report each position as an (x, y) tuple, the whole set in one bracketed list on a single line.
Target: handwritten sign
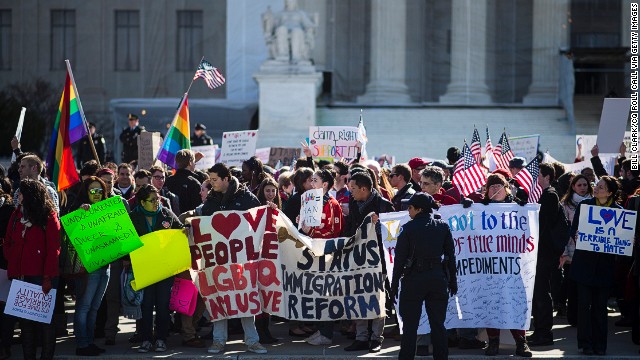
[(102, 234), (587, 142), (256, 260), (209, 159), (311, 210), (525, 146), (238, 146), (333, 141), (27, 301), (151, 264), (149, 144), (606, 230), (263, 154)]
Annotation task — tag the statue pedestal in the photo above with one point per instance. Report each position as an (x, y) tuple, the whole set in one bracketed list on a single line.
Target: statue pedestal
[(287, 104)]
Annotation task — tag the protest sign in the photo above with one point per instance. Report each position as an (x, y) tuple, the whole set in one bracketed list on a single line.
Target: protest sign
[(149, 144), (238, 146), (209, 159), (525, 146), (496, 250), (19, 129), (613, 123), (333, 142), (184, 296), (256, 260), (311, 211), (102, 234), (608, 163), (285, 155), (165, 253), (263, 154), (584, 144), (27, 301), (606, 230)]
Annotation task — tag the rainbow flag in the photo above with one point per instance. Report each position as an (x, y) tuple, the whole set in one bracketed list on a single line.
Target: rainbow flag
[(178, 137), (68, 128)]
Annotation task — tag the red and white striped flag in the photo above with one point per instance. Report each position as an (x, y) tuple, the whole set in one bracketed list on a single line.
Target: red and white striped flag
[(489, 161), (502, 153), (528, 179), (476, 146), (210, 74), (468, 176)]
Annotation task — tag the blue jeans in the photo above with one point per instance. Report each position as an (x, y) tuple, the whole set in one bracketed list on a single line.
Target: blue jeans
[(248, 325), (156, 296), (90, 289)]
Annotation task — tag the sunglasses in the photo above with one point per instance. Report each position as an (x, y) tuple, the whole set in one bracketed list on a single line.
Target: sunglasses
[(95, 191)]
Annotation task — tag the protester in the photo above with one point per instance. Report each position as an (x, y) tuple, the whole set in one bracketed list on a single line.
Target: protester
[(422, 244), (158, 178), (7, 322), (228, 194), (129, 138), (32, 247), (253, 174), (285, 186), (417, 165), (124, 182), (90, 287), (516, 164), (340, 190), (593, 272), (498, 191), (400, 178), (184, 182), (268, 193), (148, 216), (141, 178), (30, 168), (431, 180), (302, 183)]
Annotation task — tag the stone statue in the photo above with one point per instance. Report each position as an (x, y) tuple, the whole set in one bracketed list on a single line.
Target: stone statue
[(289, 34)]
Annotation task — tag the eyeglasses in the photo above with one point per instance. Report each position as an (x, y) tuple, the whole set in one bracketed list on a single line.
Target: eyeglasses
[(95, 191), (158, 177), (153, 200)]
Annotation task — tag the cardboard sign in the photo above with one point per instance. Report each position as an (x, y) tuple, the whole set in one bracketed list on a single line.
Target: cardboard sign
[(27, 301), (311, 210), (209, 158), (102, 234), (256, 261), (334, 142), (165, 253), (613, 123), (496, 248), (606, 230), (285, 155), (525, 146), (149, 144), (238, 146)]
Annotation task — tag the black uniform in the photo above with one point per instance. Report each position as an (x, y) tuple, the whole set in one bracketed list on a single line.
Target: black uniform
[(201, 140), (84, 149), (424, 240), (129, 138)]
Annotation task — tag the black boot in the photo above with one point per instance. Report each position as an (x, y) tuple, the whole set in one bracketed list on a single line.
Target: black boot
[(48, 341), (493, 347), (522, 349), (29, 342), (262, 326)]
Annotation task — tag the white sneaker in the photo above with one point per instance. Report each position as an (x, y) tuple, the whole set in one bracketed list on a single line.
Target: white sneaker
[(257, 348), (145, 347), (161, 346), (216, 348), (313, 336), (320, 340)]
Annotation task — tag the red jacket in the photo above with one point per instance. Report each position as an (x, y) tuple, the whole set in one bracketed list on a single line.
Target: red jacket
[(34, 254), (331, 225), (444, 199)]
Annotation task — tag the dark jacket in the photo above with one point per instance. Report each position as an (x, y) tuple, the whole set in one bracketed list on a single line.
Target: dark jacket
[(424, 240), (291, 208), (201, 140), (173, 200), (588, 267), (84, 149), (129, 140), (166, 220), (237, 197), (6, 210), (403, 194), (549, 208), (186, 186)]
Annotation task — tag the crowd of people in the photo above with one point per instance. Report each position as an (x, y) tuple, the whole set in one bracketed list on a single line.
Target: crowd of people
[(576, 284)]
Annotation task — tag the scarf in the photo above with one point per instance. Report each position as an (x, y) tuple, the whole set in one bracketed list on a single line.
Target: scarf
[(363, 204), (152, 214), (607, 204), (577, 199)]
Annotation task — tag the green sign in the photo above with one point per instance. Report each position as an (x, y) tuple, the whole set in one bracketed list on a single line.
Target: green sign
[(102, 234)]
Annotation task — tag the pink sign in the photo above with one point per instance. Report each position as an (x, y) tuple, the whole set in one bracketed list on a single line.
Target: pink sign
[(184, 296)]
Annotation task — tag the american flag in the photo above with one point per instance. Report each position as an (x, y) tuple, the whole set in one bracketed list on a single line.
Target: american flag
[(528, 179), (210, 74), (488, 160), (468, 176), (476, 146), (502, 153), (488, 148)]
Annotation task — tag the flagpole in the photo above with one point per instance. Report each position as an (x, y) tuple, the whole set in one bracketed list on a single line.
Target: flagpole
[(192, 80), (84, 119)]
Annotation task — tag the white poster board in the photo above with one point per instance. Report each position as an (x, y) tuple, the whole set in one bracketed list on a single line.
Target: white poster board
[(27, 301), (238, 146), (587, 142), (311, 210), (149, 144), (525, 146), (334, 142), (263, 154), (613, 123), (209, 159), (606, 230)]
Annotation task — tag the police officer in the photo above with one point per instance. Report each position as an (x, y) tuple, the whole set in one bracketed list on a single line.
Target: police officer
[(84, 150), (200, 136), (431, 277), (129, 138)]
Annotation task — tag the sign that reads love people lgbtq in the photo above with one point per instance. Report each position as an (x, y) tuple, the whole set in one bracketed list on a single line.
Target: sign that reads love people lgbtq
[(27, 301), (496, 248), (334, 142), (102, 234), (256, 260), (606, 230), (311, 211)]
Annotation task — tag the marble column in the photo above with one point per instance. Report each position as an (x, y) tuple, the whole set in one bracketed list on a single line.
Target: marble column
[(550, 33), (388, 65), (468, 54)]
